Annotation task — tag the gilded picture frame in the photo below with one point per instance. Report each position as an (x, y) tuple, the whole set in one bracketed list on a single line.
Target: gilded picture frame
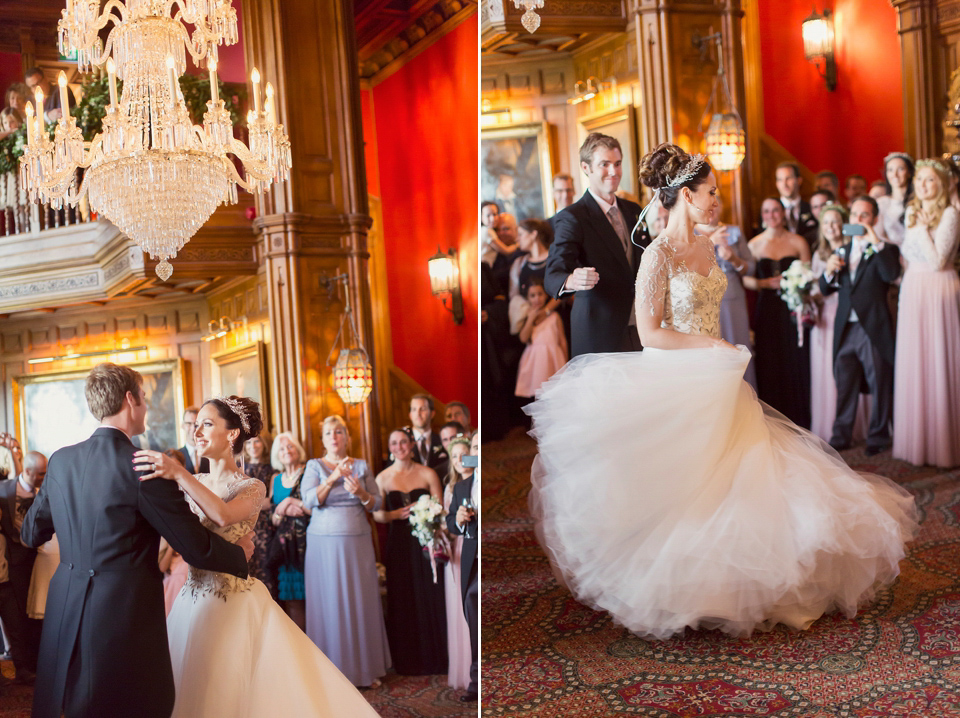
[(516, 169), (242, 371), (50, 408)]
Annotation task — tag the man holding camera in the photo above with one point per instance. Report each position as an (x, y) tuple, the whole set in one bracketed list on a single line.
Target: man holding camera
[(863, 337)]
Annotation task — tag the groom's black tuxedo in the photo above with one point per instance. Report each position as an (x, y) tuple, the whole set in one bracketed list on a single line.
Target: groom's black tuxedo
[(469, 579), (863, 350), (104, 646), (584, 237)]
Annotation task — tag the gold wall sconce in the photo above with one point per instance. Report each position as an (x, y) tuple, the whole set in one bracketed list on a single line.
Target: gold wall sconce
[(444, 269), (819, 44)]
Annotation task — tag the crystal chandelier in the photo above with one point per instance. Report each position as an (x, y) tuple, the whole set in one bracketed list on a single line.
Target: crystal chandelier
[(530, 20), (151, 171)]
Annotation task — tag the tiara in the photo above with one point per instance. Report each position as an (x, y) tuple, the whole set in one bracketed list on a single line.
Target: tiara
[(936, 164), (898, 156), (688, 172), (237, 408), (833, 207)]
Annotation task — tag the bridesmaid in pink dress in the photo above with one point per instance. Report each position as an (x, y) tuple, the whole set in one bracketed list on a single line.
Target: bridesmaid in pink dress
[(926, 390), (546, 344), (823, 386), (458, 631)]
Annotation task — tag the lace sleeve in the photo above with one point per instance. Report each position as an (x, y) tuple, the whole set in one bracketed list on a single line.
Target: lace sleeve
[(652, 279), (945, 237), (249, 489)]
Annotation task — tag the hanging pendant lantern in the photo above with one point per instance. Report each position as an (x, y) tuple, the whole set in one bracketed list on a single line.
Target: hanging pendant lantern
[(353, 376), (726, 141)]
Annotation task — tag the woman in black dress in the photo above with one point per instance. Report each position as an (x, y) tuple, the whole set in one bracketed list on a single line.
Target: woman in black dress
[(256, 464), (416, 616), (783, 367)]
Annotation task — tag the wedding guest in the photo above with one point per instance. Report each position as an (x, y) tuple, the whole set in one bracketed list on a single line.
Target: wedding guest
[(48, 558), (819, 199), (661, 214), (449, 431), (898, 171), (459, 412), (465, 522), (34, 77), (863, 338), (878, 189), (427, 448), (952, 195), (855, 187), (783, 367), (256, 465), (344, 612), (823, 386), (458, 631), (175, 571), (16, 97), (289, 516), (798, 217), (506, 228), (546, 350), (735, 260), (926, 406), (490, 244), (564, 193), (533, 238), (829, 181), (416, 618), (10, 121), (191, 459)]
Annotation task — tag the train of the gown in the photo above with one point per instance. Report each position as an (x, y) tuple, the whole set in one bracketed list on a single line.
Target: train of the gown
[(667, 494)]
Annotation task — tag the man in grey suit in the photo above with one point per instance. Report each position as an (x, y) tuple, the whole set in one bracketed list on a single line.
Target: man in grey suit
[(104, 649)]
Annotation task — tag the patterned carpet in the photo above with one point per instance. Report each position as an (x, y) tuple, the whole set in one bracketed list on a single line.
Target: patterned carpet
[(545, 654), (397, 697)]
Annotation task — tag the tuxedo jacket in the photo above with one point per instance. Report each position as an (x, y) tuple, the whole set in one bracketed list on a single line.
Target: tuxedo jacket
[(468, 554), (437, 458), (204, 467), (104, 650), (807, 225), (866, 293), (584, 237), (20, 558)]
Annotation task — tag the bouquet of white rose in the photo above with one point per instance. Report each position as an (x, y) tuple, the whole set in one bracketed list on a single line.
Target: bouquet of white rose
[(796, 286), (426, 517)]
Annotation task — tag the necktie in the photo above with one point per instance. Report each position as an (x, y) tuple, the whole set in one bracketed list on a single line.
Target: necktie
[(616, 219), (423, 449)]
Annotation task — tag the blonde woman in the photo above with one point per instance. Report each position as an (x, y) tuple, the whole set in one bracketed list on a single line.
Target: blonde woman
[(289, 546), (256, 465), (926, 397), (458, 632)]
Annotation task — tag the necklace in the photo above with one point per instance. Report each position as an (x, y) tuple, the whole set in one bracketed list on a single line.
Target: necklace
[(288, 480)]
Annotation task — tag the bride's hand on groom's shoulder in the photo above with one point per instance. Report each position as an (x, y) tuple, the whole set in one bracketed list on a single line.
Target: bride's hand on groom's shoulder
[(158, 465)]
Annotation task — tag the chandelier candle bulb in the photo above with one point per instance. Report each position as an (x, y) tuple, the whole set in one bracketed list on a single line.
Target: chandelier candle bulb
[(271, 105), (31, 128), (255, 78), (38, 99), (64, 104), (173, 81), (112, 75), (214, 89)]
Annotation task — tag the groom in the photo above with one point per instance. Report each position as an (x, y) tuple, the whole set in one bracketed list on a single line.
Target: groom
[(104, 650), (863, 337)]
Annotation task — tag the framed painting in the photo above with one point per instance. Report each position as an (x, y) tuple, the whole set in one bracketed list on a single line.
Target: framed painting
[(516, 170), (619, 122), (51, 409), (241, 371)]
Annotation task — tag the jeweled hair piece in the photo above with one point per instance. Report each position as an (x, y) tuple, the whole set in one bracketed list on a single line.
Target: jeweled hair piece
[(898, 156), (688, 172), (237, 408), (935, 164)]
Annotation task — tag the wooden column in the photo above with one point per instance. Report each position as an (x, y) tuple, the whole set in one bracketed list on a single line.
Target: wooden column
[(314, 227), (677, 80), (922, 89)]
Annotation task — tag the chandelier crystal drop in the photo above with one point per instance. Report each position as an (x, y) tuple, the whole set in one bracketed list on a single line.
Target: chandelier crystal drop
[(530, 20), (151, 171)]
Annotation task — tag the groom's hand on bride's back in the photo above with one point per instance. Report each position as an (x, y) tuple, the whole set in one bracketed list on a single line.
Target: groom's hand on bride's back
[(246, 543)]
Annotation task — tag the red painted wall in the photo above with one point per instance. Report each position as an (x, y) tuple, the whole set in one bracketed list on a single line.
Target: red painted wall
[(851, 129), (420, 128), (11, 71)]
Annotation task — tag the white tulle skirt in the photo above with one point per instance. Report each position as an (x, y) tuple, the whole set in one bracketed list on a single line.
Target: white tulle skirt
[(667, 494), (243, 657)]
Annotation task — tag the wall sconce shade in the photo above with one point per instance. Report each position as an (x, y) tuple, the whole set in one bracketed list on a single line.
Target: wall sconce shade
[(353, 376), (819, 44), (726, 141), (444, 272)]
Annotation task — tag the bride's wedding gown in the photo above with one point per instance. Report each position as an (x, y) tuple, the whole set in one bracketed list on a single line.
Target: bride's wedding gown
[(666, 494), (236, 653)]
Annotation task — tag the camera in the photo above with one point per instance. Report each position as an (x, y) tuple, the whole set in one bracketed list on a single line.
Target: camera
[(854, 230), (469, 461)]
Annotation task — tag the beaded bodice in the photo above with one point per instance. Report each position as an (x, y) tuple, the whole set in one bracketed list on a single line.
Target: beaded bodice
[(201, 582), (689, 301)]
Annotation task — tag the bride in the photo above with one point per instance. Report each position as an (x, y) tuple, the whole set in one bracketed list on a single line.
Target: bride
[(233, 649), (666, 494)]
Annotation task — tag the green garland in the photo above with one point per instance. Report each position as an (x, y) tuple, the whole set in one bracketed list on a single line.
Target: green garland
[(93, 106)]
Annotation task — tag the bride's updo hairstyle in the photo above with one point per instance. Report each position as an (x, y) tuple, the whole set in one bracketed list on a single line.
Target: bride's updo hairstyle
[(239, 412), (665, 163)]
